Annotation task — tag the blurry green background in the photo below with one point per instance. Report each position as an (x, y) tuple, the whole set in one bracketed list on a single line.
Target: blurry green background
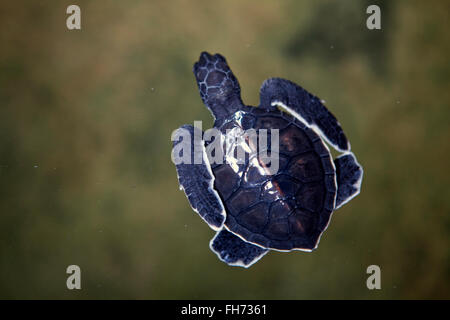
[(85, 124)]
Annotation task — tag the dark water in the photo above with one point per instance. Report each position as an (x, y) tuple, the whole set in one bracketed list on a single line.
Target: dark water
[(85, 124)]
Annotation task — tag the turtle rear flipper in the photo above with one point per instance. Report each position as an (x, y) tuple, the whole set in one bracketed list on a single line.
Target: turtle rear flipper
[(219, 88), (305, 107), (196, 178), (349, 175), (234, 251)]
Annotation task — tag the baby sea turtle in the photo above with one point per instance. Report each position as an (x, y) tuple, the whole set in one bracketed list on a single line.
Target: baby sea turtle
[(255, 212)]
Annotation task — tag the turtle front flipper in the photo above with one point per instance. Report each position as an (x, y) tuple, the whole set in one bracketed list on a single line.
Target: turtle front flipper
[(305, 107), (349, 175), (195, 176), (219, 88), (234, 251)]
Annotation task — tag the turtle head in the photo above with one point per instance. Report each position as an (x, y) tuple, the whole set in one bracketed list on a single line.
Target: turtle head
[(219, 88)]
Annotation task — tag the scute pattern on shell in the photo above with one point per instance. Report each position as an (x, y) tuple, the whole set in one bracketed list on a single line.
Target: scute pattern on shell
[(287, 210)]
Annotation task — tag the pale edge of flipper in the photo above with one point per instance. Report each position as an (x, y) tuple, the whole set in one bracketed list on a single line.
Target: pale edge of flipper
[(352, 180), (245, 254), (306, 107), (197, 181), (312, 126)]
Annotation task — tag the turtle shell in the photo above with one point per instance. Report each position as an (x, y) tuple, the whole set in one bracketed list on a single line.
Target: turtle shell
[(285, 210)]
